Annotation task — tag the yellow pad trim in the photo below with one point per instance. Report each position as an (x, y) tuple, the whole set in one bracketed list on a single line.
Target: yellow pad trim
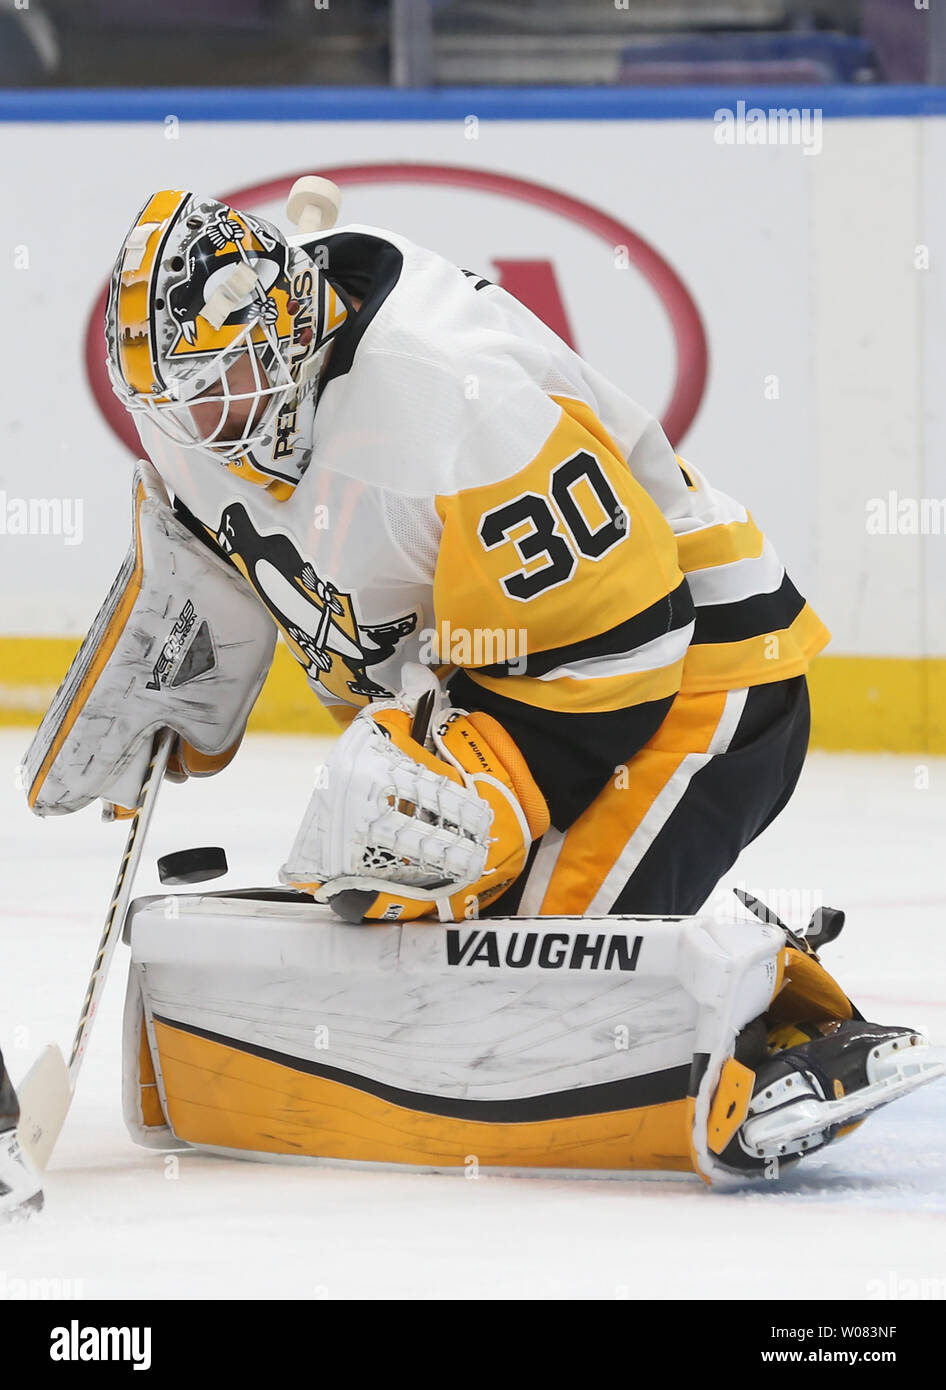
[(222, 1096), (809, 993), (107, 644), (152, 1114)]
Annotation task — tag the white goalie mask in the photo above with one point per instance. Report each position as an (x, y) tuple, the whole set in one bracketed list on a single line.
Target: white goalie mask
[(217, 328)]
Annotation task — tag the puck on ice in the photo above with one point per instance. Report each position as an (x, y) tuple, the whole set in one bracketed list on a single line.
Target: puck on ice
[(192, 865)]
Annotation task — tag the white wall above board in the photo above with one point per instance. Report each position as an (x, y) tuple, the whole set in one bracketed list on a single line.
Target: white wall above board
[(827, 362)]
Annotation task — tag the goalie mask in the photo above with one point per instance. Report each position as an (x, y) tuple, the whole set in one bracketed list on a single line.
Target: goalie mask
[(217, 328)]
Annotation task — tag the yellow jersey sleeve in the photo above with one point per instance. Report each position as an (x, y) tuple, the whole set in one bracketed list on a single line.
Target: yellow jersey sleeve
[(752, 626), (559, 598)]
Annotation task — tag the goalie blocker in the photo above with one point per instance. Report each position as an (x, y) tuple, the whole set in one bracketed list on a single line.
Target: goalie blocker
[(179, 643), (258, 1025)]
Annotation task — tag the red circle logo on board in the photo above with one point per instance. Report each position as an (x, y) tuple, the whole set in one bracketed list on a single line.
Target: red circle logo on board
[(531, 281)]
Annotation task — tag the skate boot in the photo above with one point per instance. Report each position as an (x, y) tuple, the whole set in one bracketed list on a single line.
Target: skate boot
[(818, 1084), (20, 1190)]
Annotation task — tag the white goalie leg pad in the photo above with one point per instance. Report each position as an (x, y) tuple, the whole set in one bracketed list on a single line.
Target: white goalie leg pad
[(181, 642), (590, 1023), (142, 1102)]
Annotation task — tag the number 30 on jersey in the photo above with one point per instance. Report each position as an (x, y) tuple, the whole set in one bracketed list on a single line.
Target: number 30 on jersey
[(560, 532)]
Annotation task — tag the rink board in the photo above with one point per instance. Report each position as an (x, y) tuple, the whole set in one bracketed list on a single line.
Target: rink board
[(778, 305)]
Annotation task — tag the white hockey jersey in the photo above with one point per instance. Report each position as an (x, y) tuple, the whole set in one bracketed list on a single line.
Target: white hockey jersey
[(481, 498)]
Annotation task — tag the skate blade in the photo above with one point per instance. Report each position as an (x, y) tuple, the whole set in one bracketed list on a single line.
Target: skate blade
[(21, 1192), (896, 1074), (15, 1208)]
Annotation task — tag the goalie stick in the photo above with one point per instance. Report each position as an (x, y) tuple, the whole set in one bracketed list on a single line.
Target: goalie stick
[(47, 1090)]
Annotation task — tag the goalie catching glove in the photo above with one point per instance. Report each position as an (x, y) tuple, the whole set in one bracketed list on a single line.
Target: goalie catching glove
[(401, 831)]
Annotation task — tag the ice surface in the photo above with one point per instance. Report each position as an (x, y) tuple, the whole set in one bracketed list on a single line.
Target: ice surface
[(859, 1221)]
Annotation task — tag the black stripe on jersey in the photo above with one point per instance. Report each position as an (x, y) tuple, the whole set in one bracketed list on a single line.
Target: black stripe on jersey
[(602, 1097), (751, 617), (666, 615), (570, 755), (361, 265), (481, 280)]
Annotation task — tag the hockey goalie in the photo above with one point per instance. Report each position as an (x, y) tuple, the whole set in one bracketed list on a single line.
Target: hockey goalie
[(570, 676)]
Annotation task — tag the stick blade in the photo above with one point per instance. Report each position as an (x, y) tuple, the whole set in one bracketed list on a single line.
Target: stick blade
[(45, 1096)]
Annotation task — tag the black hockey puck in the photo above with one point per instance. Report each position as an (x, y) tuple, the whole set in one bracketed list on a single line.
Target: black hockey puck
[(192, 865), (352, 904)]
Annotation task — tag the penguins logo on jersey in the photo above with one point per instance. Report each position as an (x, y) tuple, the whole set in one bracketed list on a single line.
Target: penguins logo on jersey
[(316, 619)]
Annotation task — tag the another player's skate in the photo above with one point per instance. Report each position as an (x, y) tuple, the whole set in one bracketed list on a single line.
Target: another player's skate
[(20, 1189), (820, 1089)]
